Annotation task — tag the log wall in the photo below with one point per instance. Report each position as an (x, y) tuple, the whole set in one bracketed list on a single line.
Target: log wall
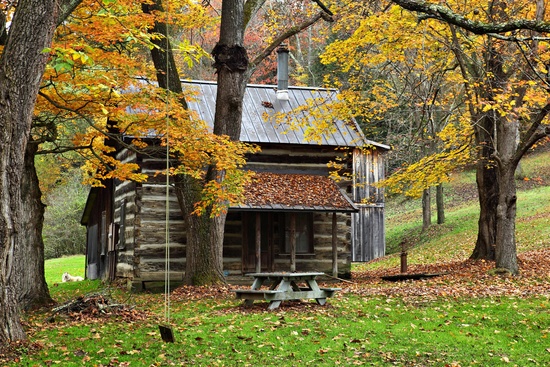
[(140, 210)]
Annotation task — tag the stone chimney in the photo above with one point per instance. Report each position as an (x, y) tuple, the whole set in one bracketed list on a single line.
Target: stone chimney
[(282, 72)]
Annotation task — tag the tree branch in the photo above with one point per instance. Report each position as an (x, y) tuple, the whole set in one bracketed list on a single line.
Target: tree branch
[(535, 132), (3, 32), (445, 14), (251, 7), (66, 7), (322, 6), (284, 36)]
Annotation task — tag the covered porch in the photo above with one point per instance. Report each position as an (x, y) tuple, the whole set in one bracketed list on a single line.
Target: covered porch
[(294, 222)]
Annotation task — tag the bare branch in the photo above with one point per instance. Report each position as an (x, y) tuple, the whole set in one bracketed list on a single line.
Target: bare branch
[(445, 14), (535, 132), (287, 34), (322, 6), (517, 39), (251, 7)]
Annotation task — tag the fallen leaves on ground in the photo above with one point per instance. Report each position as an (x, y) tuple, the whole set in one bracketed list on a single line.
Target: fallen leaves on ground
[(97, 305), (468, 278), (12, 352)]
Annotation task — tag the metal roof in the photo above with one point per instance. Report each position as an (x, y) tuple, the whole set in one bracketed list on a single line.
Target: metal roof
[(260, 101)]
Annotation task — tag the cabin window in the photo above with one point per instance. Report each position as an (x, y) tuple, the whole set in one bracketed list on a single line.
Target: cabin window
[(304, 233)]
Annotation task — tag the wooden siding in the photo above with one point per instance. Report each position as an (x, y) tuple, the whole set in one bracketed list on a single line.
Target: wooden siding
[(125, 215), (368, 229), (369, 241), (140, 210)]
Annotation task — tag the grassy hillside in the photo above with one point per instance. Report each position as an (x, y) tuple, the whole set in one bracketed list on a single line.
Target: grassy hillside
[(455, 239)]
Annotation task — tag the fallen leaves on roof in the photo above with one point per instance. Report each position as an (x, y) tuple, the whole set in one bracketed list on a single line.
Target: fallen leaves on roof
[(294, 190)]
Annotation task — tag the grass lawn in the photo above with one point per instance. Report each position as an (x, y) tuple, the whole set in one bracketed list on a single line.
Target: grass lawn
[(467, 316)]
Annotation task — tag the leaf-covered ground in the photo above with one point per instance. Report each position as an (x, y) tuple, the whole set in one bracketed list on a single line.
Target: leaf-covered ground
[(468, 278), (457, 279)]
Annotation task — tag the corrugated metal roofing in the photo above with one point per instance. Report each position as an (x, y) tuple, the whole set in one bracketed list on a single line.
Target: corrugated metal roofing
[(261, 100)]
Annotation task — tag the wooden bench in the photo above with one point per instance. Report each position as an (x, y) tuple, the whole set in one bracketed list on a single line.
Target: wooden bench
[(256, 294)]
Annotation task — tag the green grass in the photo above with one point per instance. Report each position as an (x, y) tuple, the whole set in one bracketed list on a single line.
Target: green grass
[(438, 330), (351, 330), (74, 265), (55, 268)]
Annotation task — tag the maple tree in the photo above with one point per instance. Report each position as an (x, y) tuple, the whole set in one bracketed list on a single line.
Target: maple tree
[(508, 105), (91, 79), (403, 89), (501, 77)]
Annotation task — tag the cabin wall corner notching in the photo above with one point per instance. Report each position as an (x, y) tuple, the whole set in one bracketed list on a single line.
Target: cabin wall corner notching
[(316, 225)]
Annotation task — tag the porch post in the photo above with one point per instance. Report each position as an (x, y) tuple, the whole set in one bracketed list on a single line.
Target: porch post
[(270, 241), (334, 246), (292, 242), (258, 242)]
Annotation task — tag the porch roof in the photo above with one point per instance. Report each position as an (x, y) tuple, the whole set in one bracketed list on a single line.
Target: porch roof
[(293, 192)]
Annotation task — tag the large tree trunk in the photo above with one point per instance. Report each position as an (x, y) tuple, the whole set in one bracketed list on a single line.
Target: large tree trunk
[(505, 249), (21, 68), (487, 188), (231, 63), (506, 252), (204, 257), (32, 290)]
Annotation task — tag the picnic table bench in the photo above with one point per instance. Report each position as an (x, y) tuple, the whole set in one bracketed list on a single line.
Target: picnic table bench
[(282, 286)]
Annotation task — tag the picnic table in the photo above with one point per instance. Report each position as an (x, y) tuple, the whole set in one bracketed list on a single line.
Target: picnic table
[(282, 286)]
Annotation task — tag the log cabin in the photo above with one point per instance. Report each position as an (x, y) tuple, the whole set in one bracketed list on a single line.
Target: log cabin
[(294, 216)]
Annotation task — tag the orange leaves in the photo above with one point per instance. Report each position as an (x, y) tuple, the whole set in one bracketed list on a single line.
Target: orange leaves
[(98, 69), (293, 190), (202, 149)]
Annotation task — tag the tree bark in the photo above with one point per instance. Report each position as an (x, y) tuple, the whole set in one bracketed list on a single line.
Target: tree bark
[(505, 250), (487, 189), (204, 254), (32, 290), (231, 63), (439, 199), (21, 68), (426, 210)]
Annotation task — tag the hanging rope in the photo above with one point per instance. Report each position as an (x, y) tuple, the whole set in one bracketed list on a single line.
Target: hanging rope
[(167, 218)]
